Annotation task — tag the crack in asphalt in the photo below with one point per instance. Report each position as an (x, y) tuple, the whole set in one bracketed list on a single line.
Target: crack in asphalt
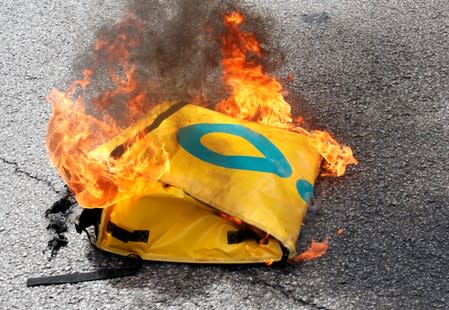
[(286, 294), (19, 170)]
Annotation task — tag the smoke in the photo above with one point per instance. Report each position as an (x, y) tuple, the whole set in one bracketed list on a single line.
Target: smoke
[(177, 55), (181, 48)]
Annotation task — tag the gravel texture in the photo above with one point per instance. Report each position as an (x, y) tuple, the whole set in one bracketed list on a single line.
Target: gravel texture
[(374, 73)]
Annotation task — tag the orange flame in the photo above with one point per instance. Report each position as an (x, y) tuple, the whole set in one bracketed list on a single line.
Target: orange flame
[(257, 96), (231, 218), (75, 129), (314, 251), (73, 133)]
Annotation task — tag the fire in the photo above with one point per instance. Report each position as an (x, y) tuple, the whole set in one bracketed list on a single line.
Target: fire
[(80, 122), (257, 96), (73, 133), (314, 251)]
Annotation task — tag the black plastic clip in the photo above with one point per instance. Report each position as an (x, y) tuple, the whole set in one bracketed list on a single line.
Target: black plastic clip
[(125, 236)]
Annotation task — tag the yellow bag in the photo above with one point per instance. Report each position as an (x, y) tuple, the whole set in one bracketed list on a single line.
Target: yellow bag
[(219, 167)]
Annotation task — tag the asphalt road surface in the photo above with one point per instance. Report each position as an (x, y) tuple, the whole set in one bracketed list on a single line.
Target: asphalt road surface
[(374, 73)]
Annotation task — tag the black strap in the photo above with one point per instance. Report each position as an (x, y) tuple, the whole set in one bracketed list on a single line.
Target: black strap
[(134, 260), (82, 277), (88, 276), (167, 113), (125, 236), (120, 149)]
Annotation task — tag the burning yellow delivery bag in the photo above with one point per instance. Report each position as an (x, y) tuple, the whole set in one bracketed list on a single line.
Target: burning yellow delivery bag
[(236, 191)]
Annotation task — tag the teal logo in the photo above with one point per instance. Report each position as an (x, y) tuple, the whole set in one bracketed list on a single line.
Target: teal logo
[(273, 161), (305, 190)]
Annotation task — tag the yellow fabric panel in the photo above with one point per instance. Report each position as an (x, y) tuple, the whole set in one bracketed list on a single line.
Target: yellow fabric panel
[(264, 200), (211, 165), (181, 229)]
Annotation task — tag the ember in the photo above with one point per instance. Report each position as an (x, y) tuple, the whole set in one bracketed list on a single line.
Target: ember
[(315, 250), (340, 232)]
